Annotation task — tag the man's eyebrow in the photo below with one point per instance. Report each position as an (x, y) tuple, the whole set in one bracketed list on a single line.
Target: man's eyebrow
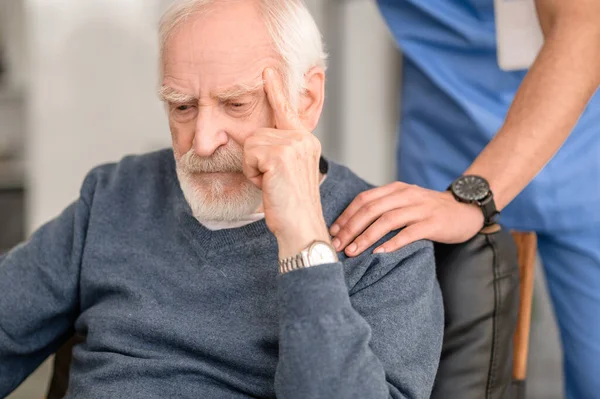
[(172, 96), (239, 90)]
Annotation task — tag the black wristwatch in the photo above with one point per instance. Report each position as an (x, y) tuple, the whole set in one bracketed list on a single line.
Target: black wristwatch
[(476, 190)]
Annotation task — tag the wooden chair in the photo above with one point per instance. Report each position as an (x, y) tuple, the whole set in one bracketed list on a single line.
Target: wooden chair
[(526, 252), (486, 285)]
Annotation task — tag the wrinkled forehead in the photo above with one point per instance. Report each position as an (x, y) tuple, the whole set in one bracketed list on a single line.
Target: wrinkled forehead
[(227, 43)]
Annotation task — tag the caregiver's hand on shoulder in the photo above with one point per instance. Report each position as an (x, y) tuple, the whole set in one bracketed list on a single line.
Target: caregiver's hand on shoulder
[(419, 212)]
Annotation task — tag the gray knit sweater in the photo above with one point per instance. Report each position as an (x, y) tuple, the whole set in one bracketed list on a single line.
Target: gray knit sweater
[(172, 310)]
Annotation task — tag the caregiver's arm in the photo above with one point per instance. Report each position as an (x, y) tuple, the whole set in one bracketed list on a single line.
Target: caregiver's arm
[(550, 100), (545, 110)]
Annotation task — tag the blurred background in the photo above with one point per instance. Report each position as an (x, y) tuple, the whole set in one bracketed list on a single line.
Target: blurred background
[(78, 84)]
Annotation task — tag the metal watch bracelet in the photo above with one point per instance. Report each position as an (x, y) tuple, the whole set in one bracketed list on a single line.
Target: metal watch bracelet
[(292, 263)]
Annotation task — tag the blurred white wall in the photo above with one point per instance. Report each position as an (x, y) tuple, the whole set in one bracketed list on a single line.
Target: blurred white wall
[(92, 97), (12, 30), (370, 76), (12, 35), (93, 76)]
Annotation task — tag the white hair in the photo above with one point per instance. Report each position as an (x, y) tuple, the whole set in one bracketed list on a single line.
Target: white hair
[(296, 37)]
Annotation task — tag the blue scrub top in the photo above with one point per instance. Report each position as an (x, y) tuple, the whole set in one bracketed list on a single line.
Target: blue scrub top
[(454, 100)]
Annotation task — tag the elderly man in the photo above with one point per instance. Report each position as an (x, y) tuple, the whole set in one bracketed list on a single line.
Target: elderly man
[(168, 262)]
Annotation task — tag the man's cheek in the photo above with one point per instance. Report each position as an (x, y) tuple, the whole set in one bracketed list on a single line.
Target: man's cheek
[(182, 137)]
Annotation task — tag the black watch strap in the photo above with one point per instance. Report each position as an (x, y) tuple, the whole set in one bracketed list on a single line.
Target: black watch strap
[(490, 212)]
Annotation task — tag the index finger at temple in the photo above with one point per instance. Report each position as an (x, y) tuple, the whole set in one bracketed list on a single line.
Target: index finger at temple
[(285, 118)]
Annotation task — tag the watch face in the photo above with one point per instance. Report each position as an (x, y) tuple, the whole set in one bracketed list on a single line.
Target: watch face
[(471, 188), (321, 253)]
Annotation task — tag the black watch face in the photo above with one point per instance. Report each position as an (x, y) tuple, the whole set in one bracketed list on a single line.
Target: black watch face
[(471, 188)]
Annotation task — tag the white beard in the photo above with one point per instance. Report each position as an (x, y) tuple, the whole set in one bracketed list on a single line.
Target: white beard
[(216, 198)]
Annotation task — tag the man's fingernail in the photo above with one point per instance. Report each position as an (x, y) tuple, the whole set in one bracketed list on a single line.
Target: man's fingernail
[(334, 229), (352, 248), (379, 251), (336, 244)]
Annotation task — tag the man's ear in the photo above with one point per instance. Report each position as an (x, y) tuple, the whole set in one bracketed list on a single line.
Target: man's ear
[(311, 101)]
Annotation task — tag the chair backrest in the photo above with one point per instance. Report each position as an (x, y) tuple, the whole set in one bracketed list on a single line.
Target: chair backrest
[(480, 286), (59, 382), (527, 251), (12, 214)]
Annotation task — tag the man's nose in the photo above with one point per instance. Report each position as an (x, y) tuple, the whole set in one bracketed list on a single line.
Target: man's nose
[(210, 133)]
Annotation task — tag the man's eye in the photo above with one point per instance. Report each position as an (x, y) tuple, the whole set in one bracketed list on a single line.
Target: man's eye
[(183, 108), (237, 105)]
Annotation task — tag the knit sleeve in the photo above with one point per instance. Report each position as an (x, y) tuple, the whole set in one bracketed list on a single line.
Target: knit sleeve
[(39, 294), (381, 340)]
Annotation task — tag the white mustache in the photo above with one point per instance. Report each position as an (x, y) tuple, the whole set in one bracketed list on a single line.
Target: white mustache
[(224, 160)]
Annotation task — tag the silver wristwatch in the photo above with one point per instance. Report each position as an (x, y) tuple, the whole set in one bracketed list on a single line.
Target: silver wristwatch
[(317, 253)]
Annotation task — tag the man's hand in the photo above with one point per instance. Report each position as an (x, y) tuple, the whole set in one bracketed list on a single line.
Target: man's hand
[(284, 163), (424, 214)]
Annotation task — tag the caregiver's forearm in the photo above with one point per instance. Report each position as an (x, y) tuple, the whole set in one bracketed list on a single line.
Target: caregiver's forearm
[(548, 104)]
